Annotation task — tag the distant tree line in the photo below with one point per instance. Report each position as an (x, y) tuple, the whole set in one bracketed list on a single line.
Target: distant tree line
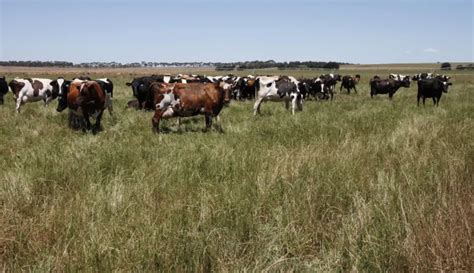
[(217, 65), (103, 64), (37, 63), (279, 65), (465, 67)]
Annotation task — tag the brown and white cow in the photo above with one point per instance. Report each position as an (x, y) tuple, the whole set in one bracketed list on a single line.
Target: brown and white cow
[(31, 90), (185, 100), (86, 99)]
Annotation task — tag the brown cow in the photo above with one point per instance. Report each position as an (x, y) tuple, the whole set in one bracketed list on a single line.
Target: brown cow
[(85, 99), (185, 100)]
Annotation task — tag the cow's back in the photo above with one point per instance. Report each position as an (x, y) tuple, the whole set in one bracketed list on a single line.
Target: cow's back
[(197, 94), (200, 97)]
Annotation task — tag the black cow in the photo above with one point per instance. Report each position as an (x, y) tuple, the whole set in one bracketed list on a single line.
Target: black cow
[(387, 86), (432, 88), (3, 88), (312, 88), (61, 89), (245, 88), (141, 90), (108, 87), (349, 82), (329, 82)]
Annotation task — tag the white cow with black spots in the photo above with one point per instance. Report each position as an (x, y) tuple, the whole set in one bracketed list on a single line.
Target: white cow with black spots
[(276, 88)]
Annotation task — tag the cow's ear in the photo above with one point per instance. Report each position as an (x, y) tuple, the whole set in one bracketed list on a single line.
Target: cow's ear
[(128, 83)]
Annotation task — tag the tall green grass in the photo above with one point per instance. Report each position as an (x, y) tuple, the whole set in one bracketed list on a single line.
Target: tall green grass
[(356, 184)]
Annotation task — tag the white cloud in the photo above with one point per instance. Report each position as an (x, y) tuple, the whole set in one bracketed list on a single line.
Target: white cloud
[(431, 50), (408, 52)]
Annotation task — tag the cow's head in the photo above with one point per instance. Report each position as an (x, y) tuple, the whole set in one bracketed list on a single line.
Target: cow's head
[(88, 91), (60, 90), (442, 83), (304, 86), (58, 86), (16, 87), (357, 78), (228, 94)]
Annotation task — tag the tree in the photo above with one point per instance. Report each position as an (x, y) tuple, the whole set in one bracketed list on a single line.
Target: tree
[(446, 66)]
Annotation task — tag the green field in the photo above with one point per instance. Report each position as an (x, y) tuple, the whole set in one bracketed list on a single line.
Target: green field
[(356, 184)]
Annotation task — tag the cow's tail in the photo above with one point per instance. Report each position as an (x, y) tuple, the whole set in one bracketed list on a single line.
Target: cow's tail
[(111, 88)]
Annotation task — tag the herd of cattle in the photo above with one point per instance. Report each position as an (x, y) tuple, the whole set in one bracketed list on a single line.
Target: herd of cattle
[(190, 95)]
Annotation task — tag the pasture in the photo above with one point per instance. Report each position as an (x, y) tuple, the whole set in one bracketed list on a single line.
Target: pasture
[(356, 184)]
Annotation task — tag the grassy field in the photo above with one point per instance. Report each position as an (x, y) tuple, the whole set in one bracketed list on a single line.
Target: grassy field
[(356, 184)]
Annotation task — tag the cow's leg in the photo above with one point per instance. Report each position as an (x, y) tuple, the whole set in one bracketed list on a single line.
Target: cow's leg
[(88, 122), (287, 104), (424, 98), (155, 121), (299, 103), (355, 90), (418, 100), (19, 102), (434, 100), (219, 124), (293, 104), (390, 96), (208, 118), (96, 127), (256, 106)]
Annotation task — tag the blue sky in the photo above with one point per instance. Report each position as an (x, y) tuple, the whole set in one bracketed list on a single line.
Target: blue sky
[(358, 31)]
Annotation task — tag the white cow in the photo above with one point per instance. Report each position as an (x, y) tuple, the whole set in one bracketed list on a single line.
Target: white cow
[(31, 90), (275, 88)]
